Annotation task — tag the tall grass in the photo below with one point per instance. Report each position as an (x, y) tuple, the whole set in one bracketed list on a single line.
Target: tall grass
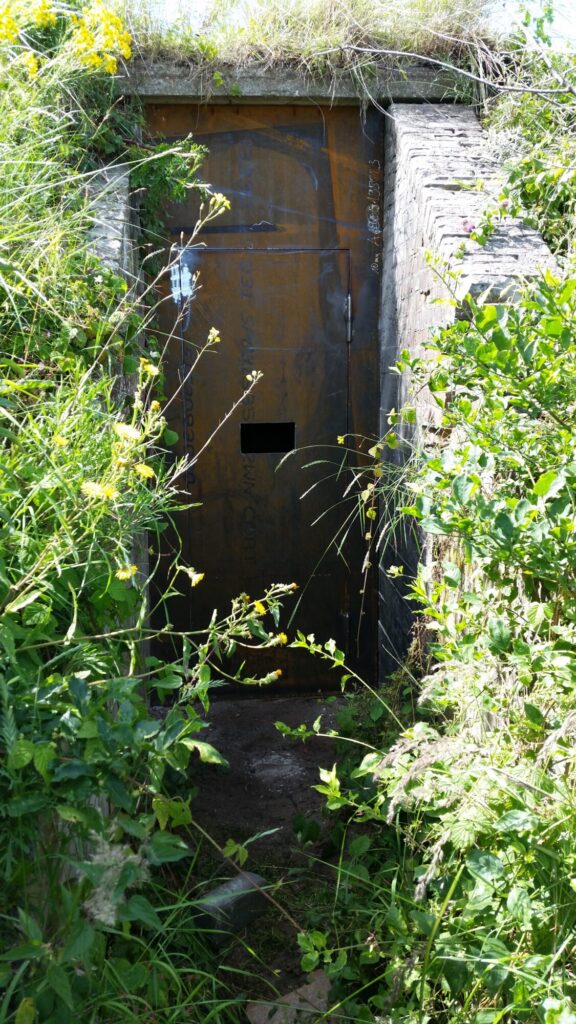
[(308, 33), (87, 810)]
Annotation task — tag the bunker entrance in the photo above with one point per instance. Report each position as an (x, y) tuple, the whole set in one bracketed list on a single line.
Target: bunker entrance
[(289, 277)]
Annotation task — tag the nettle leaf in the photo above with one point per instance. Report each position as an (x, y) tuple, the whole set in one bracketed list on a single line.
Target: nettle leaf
[(504, 527), (138, 908), (164, 848), (161, 807), (451, 574), (500, 633)]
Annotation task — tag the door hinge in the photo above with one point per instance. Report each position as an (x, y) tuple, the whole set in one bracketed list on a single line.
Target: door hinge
[(349, 318)]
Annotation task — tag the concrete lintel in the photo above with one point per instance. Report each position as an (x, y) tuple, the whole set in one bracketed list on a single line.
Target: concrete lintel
[(186, 84)]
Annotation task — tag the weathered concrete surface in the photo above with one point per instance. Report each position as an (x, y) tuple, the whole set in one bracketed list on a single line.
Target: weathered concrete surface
[(110, 237), (304, 1005), (439, 180), (184, 83)]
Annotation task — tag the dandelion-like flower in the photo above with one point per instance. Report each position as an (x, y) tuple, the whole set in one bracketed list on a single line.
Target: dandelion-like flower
[(60, 441), (126, 432), (144, 471), (93, 489), (259, 608), (126, 572), (148, 367)]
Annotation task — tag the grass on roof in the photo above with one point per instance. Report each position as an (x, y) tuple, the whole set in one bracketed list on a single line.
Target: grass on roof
[(315, 35)]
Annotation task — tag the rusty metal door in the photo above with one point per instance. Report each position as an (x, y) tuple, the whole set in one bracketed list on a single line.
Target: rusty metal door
[(278, 277), (265, 518)]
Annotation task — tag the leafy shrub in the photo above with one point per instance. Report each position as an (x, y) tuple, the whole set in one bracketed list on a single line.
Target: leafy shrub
[(87, 809), (457, 894)]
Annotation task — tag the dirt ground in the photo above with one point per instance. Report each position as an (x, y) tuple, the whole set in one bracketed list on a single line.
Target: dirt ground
[(270, 778), (269, 783)]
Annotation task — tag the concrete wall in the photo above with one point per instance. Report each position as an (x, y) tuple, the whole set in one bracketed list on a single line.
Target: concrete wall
[(439, 178)]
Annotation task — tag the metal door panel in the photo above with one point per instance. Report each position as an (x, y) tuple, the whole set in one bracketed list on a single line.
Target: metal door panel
[(299, 177), (255, 528)]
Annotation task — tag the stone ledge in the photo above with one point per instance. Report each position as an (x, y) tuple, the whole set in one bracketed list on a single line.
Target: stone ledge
[(169, 82)]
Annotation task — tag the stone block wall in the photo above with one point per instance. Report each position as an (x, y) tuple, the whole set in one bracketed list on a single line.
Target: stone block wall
[(439, 179)]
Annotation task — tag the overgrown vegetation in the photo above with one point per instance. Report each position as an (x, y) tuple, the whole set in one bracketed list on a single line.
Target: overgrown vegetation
[(312, 35), (455, 896), (454, 888), (87, 809)]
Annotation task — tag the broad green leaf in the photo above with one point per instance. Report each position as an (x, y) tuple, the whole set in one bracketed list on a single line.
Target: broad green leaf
[(516, 821), (26, 1012), (545, 483), (59, 982), (138, 908), (463, 487), (44, 757), (484, 865), (499, 632), (360, 846), (29, 926), (146, 728), (22, 602), (80, 943), (206, 751), (22, 805), (519, 906), (21, 755), (164, 847), (160, 805)]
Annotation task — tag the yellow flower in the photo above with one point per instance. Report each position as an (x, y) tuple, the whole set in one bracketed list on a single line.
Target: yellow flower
[(146, 472), (340, 438), (60, 441), (154, 406), (126, 573), (44, 14), (98, 37), (30, 62), (283, 639), (148, 367), (8, 27), (278, 673), (259, 608), (109, 64), (196, 578), (126, 432), (92, 489)]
